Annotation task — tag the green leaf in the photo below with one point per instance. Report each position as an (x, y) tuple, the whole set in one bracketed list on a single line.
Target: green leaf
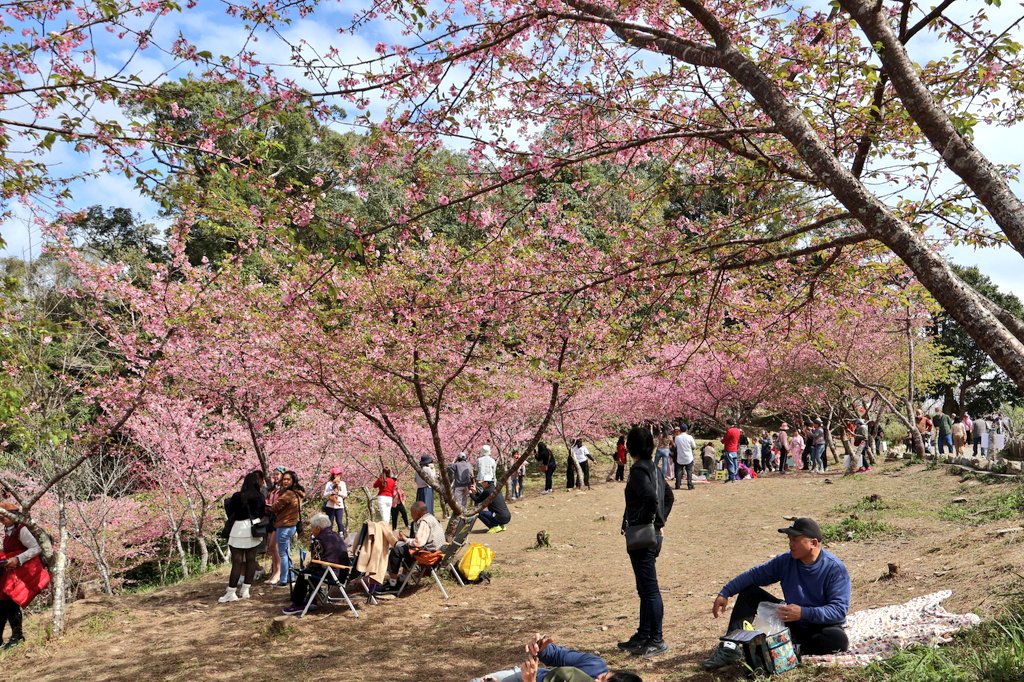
[(48, 141)]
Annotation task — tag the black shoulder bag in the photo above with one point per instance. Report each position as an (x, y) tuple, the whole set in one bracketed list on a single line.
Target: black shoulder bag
[(645, 535)]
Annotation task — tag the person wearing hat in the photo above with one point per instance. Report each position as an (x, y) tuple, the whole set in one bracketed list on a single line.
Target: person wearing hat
[(426, 479), (783, 447), (486, 467), (335, 493), (549, 662), (20, 547), (816, 591), (685, 446)]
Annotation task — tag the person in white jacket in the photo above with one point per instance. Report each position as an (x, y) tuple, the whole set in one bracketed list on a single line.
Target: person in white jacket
[(685, 447), (486, 467)]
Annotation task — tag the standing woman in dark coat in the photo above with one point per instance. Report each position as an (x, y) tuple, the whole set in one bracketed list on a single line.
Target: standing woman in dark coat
[(242, 508), (641, 507), (548, 463)]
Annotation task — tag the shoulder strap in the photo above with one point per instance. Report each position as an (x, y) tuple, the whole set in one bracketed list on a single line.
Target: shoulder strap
[(659, 491)]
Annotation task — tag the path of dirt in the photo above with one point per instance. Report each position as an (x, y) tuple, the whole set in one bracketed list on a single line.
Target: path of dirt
[(580, 590)]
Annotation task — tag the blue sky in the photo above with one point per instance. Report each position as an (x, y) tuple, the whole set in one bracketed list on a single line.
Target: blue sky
[(210, 29)]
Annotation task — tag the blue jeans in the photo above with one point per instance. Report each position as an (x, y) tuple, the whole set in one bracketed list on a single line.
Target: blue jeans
[(731, 465), (947, 440), (426, 496), (662, 461), (338, 517), (284, 543), (818, 456), (652, 609)]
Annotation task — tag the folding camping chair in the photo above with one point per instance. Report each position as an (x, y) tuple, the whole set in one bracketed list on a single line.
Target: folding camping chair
[(333, 575), (459, 538), (435, 562)]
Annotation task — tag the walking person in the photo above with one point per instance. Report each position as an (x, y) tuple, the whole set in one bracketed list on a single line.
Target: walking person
[(979, 436), (287, 510), (243, 508), (944, 429), (335, 493), (648, 499), (620, 459), (959, 437), (685, 447)]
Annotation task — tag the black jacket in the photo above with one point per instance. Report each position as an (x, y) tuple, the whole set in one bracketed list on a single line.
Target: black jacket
[(642, 496), (237, 508), (497, 506)]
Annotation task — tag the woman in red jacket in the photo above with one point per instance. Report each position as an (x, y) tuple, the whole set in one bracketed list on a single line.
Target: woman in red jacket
[(20, 549)]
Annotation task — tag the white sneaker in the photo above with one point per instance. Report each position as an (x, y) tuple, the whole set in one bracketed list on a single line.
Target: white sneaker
[(243, 591), (229, 595)]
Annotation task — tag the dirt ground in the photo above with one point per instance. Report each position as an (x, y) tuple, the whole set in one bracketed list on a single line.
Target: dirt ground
[(580, 590)]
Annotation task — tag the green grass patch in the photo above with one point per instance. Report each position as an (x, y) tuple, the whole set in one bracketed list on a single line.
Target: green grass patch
[(868, 503), (853, 529), (1003, 505)]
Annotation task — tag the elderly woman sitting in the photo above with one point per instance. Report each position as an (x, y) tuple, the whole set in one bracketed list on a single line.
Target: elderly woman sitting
[(326, 546)]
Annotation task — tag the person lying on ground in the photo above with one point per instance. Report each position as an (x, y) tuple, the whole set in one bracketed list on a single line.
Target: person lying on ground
[(816, 587), (427, 536), (549, 662), (326, 545), (496, 514)]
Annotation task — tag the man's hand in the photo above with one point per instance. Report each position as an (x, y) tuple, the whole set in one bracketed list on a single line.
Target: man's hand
[(789, 613), (528, 671), (721, 603), (537, 644), (402, 535), (12, 563)]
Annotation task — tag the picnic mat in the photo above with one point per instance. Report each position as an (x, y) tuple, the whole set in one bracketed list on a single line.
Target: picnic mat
[(878, 633)]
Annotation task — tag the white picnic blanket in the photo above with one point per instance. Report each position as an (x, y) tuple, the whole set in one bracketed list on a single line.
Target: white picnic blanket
[(878, 633)]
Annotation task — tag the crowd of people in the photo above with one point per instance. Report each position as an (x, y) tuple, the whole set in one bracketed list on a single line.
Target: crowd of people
[(944, 433), (653, 461)]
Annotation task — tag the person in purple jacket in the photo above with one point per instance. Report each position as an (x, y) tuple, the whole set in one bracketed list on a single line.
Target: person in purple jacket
[(548, 662), (816, 589)]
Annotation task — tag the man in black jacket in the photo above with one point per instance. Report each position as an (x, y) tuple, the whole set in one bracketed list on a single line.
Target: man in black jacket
[(648, 499), (496, 515), (326, 546)]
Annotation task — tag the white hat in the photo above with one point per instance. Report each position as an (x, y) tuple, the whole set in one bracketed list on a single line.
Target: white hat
[(485, 451)]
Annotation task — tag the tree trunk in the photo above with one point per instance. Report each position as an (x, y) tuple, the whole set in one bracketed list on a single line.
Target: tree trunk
[(182, 555), (60, 569), (204, 554)]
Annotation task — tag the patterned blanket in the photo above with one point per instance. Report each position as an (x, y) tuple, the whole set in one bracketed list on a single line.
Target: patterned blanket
[(878, 633)]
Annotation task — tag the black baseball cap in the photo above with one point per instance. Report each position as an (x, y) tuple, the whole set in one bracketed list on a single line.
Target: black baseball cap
[(808, 528)]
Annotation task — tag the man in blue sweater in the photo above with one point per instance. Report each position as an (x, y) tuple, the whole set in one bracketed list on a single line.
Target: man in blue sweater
[(816, 587), (548, 662)]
